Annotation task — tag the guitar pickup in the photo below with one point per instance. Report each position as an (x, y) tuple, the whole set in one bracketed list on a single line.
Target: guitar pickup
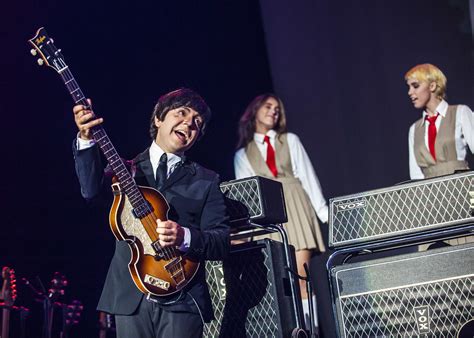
[(158, 249), (142, 210)]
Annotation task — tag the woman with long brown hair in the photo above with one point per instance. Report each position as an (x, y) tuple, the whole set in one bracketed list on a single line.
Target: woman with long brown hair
[(266, 149)]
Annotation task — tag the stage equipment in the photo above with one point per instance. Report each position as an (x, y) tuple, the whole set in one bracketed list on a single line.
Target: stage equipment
[(251, 292), (428, 294), (401, 211), (256, 198)]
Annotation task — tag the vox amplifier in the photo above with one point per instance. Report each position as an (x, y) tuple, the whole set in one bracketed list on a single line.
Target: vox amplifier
[(401, 211), (256, 198), (251, 293), (424, 294)]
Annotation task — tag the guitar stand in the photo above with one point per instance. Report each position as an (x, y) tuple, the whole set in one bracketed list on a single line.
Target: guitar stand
[(24, 312), (43, 297), (257, 229)]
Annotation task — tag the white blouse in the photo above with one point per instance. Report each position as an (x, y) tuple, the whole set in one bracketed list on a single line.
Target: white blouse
[(300, 162), (463, 134)]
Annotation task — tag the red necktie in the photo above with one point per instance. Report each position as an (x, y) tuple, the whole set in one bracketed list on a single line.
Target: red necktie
[(432, 134), (270, 157)]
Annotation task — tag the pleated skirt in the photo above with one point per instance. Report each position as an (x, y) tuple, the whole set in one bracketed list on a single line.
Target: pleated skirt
[(303, 227)]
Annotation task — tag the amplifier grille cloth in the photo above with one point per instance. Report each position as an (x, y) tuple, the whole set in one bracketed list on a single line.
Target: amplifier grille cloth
[(391, 313), (420, 206), (244, 191), (248, 298)]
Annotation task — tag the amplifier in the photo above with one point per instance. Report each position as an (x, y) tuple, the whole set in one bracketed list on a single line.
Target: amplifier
[(257, 198), (428, 294), (251, 292), (401, 211)]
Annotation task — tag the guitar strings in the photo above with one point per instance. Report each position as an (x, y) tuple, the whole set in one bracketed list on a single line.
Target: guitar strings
[(169, 252), (149, 224)]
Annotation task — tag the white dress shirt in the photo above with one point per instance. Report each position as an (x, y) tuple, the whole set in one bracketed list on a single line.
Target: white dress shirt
[(463, 134), (155, 154), (300, 162)]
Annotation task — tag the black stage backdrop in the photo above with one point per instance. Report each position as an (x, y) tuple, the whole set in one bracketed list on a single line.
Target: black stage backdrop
[(338, 65)]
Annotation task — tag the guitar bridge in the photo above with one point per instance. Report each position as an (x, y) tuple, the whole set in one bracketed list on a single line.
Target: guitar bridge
[(175, 269)]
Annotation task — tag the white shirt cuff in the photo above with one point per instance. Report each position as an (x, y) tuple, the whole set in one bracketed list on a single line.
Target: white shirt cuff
[(84, 144), (186, 241)]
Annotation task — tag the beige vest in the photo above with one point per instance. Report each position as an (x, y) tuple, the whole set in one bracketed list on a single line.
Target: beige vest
[(445, 147), (302, 226), (282, 159)]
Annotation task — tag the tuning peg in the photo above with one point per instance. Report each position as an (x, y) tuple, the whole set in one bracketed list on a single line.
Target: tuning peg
[(40, 62), (33, 52)]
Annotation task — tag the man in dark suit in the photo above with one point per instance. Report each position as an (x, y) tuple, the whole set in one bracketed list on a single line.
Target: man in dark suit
[(197, 223)]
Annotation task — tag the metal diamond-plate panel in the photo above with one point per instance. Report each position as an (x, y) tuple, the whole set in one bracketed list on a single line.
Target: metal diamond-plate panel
[(400, 210), (446, 305), (243, 301), (216, 283), (247, 193)]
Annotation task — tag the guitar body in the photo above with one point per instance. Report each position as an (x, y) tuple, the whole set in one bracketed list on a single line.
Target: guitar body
[(155, 270), (158, 275)]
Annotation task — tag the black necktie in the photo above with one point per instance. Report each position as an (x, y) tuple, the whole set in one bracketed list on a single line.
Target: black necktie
[(161, 171)]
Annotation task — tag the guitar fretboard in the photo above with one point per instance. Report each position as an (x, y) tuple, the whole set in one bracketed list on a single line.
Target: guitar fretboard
[(139, 204)]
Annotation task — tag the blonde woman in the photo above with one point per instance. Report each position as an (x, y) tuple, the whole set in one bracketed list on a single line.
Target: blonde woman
[(440, 139)]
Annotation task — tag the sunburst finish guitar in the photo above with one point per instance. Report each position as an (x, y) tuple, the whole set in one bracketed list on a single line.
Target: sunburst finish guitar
[(155, 270)]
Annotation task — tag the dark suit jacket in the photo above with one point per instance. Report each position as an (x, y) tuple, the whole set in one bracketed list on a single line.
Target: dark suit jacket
[(196, 202)]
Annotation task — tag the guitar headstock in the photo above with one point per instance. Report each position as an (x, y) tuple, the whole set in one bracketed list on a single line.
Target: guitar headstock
[(57, 285), (9, 286), (43, 46)]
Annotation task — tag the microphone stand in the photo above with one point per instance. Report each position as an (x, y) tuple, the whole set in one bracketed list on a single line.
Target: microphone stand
[(43, 297)]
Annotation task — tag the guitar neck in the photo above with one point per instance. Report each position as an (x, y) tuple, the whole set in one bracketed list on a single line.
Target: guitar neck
[(5, 323), (102, 139)]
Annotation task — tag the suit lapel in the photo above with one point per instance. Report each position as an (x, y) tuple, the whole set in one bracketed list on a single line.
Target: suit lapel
[(144, 169), (184, 169)]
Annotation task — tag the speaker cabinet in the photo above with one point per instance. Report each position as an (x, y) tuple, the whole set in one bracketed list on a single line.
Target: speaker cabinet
[(401, 211), (427, 294), (257, 198), (251, 293)]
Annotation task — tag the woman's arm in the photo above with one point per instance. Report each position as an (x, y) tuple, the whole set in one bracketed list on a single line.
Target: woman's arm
[(415, 170), (466, 118), (242, 165), (304, 171)]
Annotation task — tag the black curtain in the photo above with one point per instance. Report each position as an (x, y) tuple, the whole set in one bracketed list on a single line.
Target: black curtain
[(339, 67), (124, 56)]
